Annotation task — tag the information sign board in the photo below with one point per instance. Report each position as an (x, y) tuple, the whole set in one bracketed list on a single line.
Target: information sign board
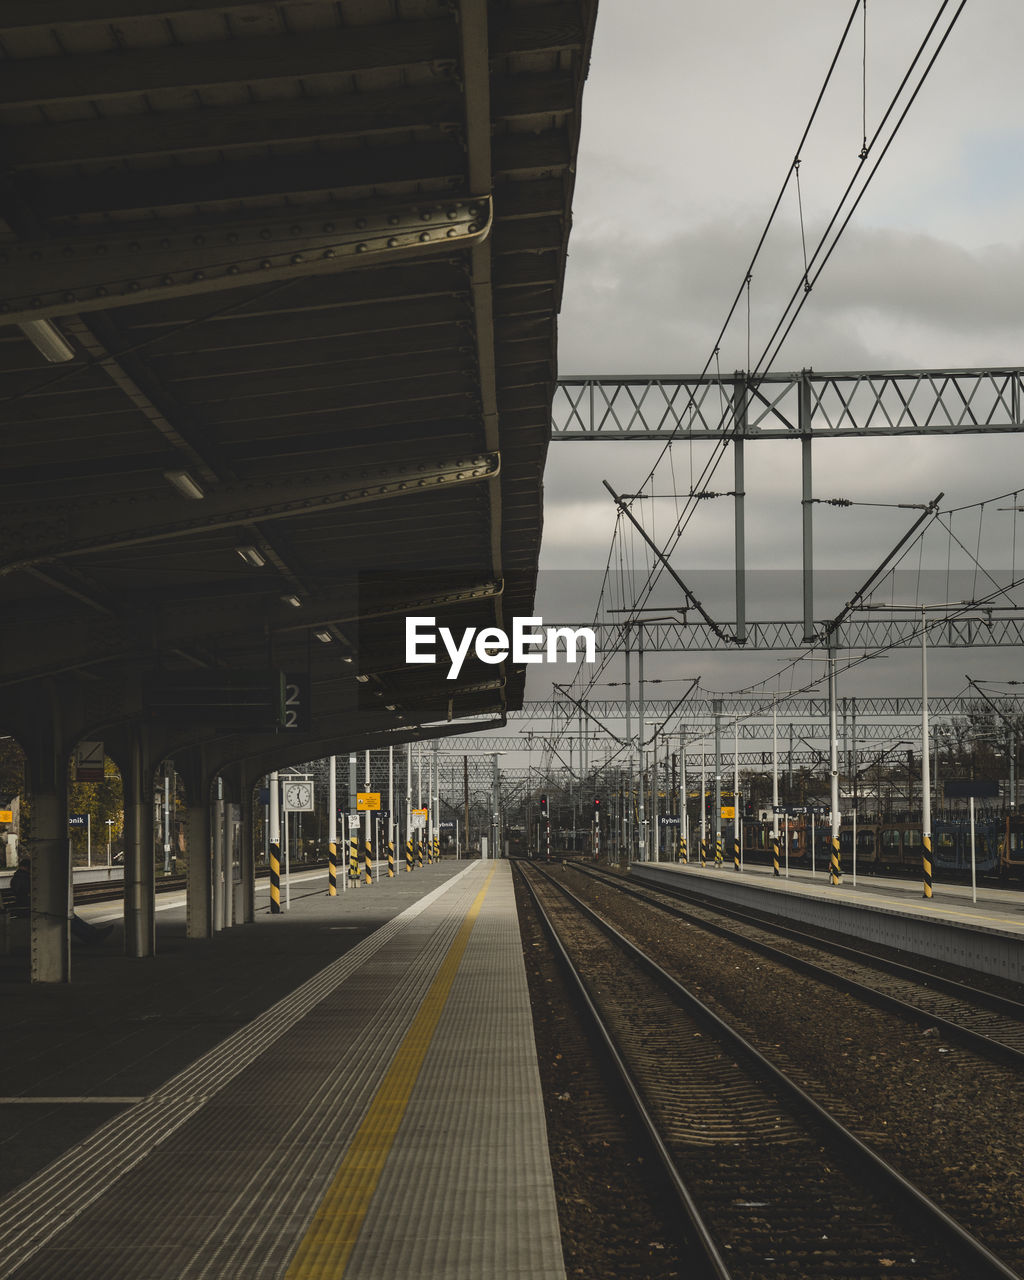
[(366, 800), (964, 788), (89, 762)]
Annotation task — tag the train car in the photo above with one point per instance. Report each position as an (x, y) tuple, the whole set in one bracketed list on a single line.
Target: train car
[(757, 841), (897, 846), (1011, 847)]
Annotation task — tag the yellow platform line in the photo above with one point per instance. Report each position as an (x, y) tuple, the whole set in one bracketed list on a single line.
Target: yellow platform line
[(325, 1249)]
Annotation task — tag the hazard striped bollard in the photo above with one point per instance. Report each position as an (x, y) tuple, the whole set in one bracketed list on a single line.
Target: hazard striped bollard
[(368, 863), (926, 864), (835, 870), (353, 859), (682, 850), (419, 851), (703, 853), (275, 879), (332, 870), (391, 860), (775, 855), (408, 854), (736, 853), (718, 851), (437, 849)]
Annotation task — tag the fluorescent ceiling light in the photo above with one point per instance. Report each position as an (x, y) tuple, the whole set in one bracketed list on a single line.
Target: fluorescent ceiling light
[(294, 601), (363, 679), (324, 637), (251, 556), (346, 657), (185, 484), (48, 340)]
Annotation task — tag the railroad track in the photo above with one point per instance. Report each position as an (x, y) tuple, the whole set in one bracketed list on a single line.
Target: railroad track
[(773, 1185), (106, 891), (990, 1025)]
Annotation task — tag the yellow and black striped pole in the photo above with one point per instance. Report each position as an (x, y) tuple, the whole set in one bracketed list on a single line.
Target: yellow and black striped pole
[(275, 879), (703, 853), (718, 850), (332, 870), (775, 854), (437, 848), (736, 852), (683, 857), (391, 860), (419, 849), (835, 870), (368, 863), (926, 864), (408, 854), (353, 859)]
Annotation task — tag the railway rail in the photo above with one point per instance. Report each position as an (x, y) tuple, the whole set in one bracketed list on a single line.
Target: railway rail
[(773, 1183), (985, 1022), (107, 891)]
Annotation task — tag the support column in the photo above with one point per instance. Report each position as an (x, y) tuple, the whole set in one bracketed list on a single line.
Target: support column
[(739, 430), (717, 706), (49, 850), (219, 877), (247, 898), (274, 819), (835, 863), (804, 424), (139, 850), (198, 916), (641, 734)]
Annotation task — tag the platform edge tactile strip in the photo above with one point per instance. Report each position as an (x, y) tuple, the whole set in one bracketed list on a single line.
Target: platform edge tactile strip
[(47, 1203), (467, 1191)]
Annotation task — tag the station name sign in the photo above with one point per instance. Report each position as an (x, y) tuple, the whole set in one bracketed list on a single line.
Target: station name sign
[(802, 810)]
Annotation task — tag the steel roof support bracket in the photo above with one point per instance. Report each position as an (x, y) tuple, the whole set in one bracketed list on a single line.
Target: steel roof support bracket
[(230, 506), (476, 76), (126, 265)]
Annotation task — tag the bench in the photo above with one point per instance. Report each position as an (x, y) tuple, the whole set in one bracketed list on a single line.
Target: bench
[(10, 914)]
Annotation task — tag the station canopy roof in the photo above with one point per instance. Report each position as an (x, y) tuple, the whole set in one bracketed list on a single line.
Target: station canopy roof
[(278, 298)]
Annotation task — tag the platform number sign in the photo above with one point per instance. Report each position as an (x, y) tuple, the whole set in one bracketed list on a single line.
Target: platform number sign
[(296, 702)]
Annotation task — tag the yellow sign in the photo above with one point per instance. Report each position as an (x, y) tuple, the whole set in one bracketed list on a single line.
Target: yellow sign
[(367, 800), (6, 815), (728, 811), (420, 813)]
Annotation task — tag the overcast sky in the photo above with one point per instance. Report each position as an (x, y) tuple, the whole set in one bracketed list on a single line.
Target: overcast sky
[(691, 118)]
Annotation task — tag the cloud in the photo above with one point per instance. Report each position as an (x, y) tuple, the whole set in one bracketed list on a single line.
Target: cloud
[(887, 299)]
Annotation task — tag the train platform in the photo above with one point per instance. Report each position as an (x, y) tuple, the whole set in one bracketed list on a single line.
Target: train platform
[(986, 935), (349, 1089)]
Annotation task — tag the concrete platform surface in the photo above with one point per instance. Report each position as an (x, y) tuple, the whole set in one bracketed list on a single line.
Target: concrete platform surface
[(349, 1089), (986, 935)]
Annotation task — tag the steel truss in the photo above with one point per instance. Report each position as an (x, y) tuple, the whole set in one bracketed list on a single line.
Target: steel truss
[(793, 708), (788, 405), (858, 634)]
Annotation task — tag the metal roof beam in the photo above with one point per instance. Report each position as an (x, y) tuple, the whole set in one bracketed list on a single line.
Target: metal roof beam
[(227, 507), (394, 46), (149, 627), (436, 106), (124, 266)]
